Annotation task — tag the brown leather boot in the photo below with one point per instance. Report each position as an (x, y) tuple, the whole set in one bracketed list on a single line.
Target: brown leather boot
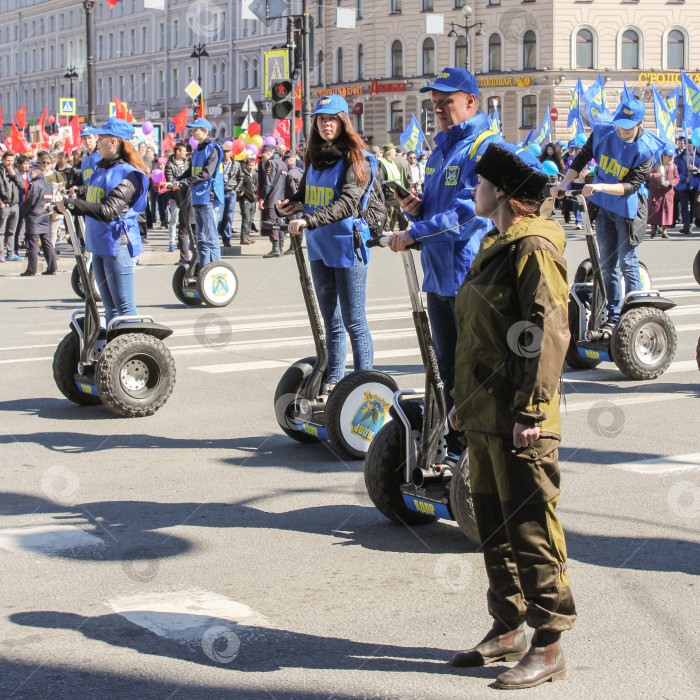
[(497, 645), (539, 665)]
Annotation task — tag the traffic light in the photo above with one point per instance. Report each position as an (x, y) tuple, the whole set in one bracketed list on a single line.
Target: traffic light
[(282, 99)]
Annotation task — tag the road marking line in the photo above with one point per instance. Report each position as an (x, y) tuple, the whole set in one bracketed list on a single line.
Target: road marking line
[(674, 277), (185, 616), (661, 465), (47, 539), (628, 401), (684, 310), (607, 374)]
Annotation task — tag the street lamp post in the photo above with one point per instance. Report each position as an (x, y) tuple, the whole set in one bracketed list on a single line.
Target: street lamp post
[(90, 60), (70, 74), (200, 50), (466, 12)]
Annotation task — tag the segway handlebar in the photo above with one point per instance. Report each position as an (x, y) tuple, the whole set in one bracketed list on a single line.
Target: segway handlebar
[(383, 242), (272, 226)]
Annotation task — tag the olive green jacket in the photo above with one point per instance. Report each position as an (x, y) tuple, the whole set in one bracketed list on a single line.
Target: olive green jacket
[(512, 315)]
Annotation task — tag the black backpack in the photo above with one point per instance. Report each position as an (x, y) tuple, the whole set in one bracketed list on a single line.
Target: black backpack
[(376, 214)]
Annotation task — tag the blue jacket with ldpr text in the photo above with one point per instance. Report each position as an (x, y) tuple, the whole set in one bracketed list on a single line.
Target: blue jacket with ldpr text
[(102, 238), (447, 227), (201, 193)]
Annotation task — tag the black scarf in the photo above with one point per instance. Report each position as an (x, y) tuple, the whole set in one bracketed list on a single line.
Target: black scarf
[(326, 156)]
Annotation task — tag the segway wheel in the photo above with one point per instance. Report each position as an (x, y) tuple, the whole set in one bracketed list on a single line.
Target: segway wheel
[(644, 343), (65, 365), (697, 354), (179, 287), (696, 268), (288, 389), (461, 499), (135, 375), (77, 285), (584, 272), (217, 284), (573, 358), (384, 474), (357, 409)]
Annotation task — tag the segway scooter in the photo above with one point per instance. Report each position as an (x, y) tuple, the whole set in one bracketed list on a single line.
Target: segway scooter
[(75, 282), (215, 284), (642, 343), (408, 474), (126, 366), (696, 274), (352, 413)]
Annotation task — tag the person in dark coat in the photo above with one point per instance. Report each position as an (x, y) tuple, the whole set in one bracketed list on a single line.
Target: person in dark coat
[(10, 185), (37, 222), (232, 181), (292, 182), (662, 179), (247, 196), (272, 190)]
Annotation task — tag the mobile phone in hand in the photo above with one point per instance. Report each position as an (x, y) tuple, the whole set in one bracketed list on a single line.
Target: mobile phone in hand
[(398, 189)]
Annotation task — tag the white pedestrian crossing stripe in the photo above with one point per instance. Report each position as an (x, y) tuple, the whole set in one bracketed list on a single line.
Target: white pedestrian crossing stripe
[(662, 465), (47, 539)]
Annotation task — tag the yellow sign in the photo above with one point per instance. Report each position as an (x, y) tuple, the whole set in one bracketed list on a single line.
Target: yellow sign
[(665, 78), (193, 91), (66, 107), (506, 81), (276, 68)]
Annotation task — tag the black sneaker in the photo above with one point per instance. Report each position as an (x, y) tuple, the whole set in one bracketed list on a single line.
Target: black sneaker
[(49, 272)]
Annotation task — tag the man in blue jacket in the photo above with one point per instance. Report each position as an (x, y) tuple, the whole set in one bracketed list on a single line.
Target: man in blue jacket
[(444, 219), (205, 177), (683, 188)]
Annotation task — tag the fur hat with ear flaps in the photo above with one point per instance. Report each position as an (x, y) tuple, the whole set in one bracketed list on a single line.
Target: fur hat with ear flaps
[(514, 170)]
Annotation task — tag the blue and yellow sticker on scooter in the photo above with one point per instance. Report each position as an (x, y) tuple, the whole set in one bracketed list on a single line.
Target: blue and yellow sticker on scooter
[(432, 508), (369, 417), (219, 285), (312, 429), (190, 293), (590, 354), (87, 388)]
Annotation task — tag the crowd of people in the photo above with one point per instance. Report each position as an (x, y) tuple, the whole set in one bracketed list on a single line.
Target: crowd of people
[(490, 257)]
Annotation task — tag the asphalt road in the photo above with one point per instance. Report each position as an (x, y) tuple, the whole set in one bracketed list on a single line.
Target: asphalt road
[(201, 553)]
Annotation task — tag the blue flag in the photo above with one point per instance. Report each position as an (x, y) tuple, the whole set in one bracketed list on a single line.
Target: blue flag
[(575, 106), (627, 95), (665, 126), (528, 137), (495, 121), (412, 137), (691, 102), (542, 135), (672, 104), (594, 103)]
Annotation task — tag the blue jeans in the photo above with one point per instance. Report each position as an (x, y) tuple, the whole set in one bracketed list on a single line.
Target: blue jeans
[(341, 299), (115, 280), (229, 209), (206, 217), (616, 250), (443, 325)]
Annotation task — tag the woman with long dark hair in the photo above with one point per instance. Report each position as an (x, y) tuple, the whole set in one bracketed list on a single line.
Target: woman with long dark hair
[(114, 198), (550, 153), (335, 189)]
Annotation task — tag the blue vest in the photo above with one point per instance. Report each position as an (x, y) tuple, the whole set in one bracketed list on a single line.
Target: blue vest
[(615, 158), (88, 165), (335, 243), (200, 192), (103, 238)]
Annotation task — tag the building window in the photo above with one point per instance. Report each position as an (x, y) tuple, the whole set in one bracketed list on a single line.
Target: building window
[(176, 33), (427, 5), (428, 57), (492, 103), (132, 41), (529, 110), (100, 47), (459, 3), (132, 86), (214, 86), (161, 84), (175, 83), (254, 65), (584, 49), (144, 39), (161, 36), (427, 116), (320, 67), (122, 48), (143, 87), (319, 14), (675, 50), (629, 51), (111, 46), (359, 16), (396, 116), (396, 6), (222, 76), (529, 50), (494, 52), (396, 59), (339, 66), (360, 62), (461, 52), (244, 75)]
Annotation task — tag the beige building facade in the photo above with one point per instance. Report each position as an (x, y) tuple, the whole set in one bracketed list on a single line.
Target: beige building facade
[(527, 55)]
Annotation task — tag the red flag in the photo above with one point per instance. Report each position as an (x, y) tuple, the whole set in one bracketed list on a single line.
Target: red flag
[(121, 111), (180, 121), (1, 121), (42, 125), (281, 131), (21, 117), (202, 112), (168, 142), (298, 123), (297, 97), (17, 141), (75, 128), (111, 4)]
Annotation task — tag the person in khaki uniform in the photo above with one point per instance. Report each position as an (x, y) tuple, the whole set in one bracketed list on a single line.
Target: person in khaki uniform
[(513, 334)]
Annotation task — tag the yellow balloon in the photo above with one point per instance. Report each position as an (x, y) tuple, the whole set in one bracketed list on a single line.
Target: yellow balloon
[(241, 155), (257, 140), (246, 137)]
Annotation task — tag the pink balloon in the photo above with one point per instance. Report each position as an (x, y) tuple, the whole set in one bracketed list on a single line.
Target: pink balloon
[(269, 141), (228, 143), (193, 142), (147, 127), (157, 176), (252, 148)]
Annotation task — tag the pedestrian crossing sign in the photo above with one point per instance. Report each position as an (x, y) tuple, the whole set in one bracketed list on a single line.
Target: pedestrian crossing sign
[(113, 108), (276, 68), (66, 108)]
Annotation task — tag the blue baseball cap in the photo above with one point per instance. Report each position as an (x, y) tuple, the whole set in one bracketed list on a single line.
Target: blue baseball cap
[(669, 149), (116, 127), (88, 131), (629, 114), (572, 144), (331, 104), (452, 80), (201, 122)]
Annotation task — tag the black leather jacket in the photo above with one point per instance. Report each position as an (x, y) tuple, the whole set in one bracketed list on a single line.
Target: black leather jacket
[(233, 175), (10, 185)]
